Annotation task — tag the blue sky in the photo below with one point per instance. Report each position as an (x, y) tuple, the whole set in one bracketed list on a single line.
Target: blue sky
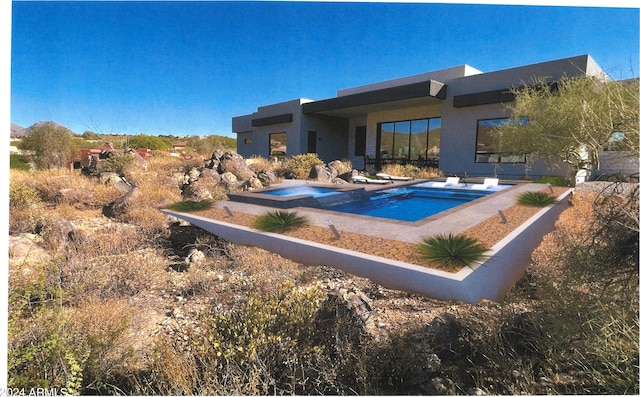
[(186, 68)]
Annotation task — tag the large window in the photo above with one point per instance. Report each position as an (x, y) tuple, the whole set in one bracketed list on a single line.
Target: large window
[(489, 147), (278, 145), (409, 139)]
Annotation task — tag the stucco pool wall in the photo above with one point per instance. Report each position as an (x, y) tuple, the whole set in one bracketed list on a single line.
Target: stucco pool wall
[(490, 280)]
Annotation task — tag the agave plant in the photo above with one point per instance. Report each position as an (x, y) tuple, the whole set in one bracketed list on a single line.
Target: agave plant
[(279, 221), (452, 251), (189, 205), (536, 199)]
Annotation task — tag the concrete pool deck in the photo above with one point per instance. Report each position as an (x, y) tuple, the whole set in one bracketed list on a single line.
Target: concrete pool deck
[(491, 279), (451, 221)]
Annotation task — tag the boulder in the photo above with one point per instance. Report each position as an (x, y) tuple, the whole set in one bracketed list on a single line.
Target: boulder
[(321, 174), (229, 181), (119, 206), (266, 177), (195, 257), (196, 191), (210, 175), (253, 184), (109, 178), (193, 175), (338, 168), (234, 163)]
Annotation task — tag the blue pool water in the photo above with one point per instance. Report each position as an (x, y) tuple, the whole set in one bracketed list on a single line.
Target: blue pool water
[(313, 191), (409, 203)]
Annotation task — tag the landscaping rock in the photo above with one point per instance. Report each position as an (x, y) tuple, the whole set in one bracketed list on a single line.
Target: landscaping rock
[(195, 257), (321, 174), (196, 191), (266, 177), (120, 205), (210, 175), (229, 181), (109, 178), (234, 163)]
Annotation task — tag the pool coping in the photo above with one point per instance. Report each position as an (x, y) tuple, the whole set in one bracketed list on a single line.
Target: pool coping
[(492, 279)]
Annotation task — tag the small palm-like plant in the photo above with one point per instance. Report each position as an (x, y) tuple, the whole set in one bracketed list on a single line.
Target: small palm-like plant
[(452, 251), (536, 199), (279, 221), (188, 206)]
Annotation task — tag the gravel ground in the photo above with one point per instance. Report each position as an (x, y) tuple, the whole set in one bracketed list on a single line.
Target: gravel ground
[(489, 233)]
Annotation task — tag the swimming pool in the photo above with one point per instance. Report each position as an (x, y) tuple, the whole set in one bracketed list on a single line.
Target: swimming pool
[(409, 203)]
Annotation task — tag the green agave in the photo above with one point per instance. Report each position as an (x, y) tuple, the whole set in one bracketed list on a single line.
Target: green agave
[(279, 221), (536, 199), (188, 206), (452, 251)]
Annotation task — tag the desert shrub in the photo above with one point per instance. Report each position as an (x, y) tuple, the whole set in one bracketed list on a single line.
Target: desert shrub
[(59, 187), (452, 251), (22, 196), (219, 193), (279, 221), (150, 222), (554, 181), (588, 272), (190, 206), (261, 164), (26, 210), (300, 166), (19, 162), (74, 348), (166, 165), (268, 345), (536, 199), (411, 171), (119, 163)]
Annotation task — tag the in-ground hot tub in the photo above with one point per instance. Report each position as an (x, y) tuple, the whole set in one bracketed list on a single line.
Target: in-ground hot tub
[(306, 195)]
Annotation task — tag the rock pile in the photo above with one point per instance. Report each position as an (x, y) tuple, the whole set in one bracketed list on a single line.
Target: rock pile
[(227, 170)]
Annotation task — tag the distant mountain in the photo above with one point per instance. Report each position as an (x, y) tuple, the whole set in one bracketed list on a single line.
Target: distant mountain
[(51, 123), (17, 131)]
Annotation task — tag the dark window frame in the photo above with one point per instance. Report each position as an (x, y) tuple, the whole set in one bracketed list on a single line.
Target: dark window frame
[(495, 156)]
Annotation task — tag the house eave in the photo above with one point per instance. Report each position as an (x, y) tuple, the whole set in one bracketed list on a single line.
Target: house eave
[(430, 89)]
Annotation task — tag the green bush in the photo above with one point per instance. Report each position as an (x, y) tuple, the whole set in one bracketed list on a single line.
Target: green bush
[(279, 221), (120, 163), (300, 166), (536, 199), (189, 205), (18, 162), (452, 251), (554, 181)]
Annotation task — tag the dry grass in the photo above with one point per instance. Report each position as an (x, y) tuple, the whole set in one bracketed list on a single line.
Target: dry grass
[(411, 171), (65, 187)]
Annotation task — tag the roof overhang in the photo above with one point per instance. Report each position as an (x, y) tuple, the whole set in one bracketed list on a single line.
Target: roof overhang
[(409, 95)]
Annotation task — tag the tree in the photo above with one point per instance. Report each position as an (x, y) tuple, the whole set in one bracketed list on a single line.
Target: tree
[(207, 145), (573, 119), (91, 136), (49, 145), (150, 142)]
